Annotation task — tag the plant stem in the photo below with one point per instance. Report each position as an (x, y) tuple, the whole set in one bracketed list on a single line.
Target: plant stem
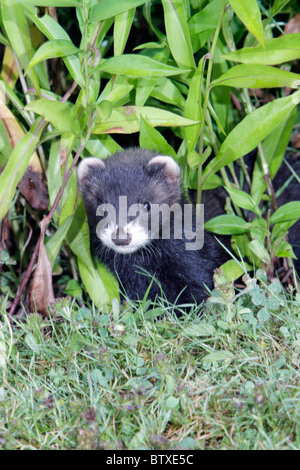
[(36, 249), (206, 97), (264, 163)]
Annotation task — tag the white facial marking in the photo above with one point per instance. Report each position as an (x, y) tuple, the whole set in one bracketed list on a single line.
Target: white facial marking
[(139, 237)]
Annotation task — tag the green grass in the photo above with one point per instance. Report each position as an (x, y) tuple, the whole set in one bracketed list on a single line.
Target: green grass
[(135, 380)]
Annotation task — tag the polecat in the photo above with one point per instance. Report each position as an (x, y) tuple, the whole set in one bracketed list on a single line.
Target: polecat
[(133, 244)]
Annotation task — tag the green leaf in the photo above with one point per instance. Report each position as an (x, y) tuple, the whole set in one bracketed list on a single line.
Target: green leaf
[(289, 211), (69, 200), (104, 109), (130, 339), (52, 30), (258, 298), (249, 13), (227, 225), (126, 120), (122, 27), (151, 139), (102, 146), (51, 49), (60, 115), (251, 131), (17, 31), (172, 402), (193, 159), (144, 86), (109, 282), (203, 329), (98, 378), (277, 6), (257, 76), (15, 101), (243, 200), (5, 145), (31, 342), (108, 8), (275, 144), (276, 51), (281, 229), (53, 244), (178, 35), (117, 89), (3, 354), (263, 315), (138, 66), (285, 249), (206, 19), (257, 247), (99, 282), (50, 3), (165, 90), (73, 288), (222, 356), (192, 109), (274, 148), (211, 183), (232, 270), (17, 164), (97, 286)]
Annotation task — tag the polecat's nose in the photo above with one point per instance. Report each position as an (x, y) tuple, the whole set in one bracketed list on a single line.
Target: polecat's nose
[(124, 240)]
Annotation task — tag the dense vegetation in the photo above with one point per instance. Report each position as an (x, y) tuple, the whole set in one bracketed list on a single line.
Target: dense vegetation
[(205, 82)]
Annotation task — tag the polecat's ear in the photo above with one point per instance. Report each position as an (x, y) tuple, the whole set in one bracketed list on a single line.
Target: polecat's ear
[(86, 166), (171, 169)]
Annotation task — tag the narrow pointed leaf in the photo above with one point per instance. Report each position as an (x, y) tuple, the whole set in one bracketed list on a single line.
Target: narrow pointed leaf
[(257, 247), (251, 131), (206, 19), (232, 269), (193, 109), (50, 3), (165, 90), (126, 120), (51, 49), (52, 30), (60, 115), (274, 148), (9, 71), (99, 282), (17, 165), (54, 243), (257, 76), (227, 225), (289, 211), (249, 13), (17, 31), (276, 51), (138, 66), (222, 356), (178, 35), (243, 200), (122, 27), (151, 139), (108, 8)]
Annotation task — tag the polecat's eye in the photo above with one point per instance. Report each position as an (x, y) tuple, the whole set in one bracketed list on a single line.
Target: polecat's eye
[(147, 206)]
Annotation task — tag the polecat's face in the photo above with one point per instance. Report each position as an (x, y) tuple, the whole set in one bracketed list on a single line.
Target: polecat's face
[(119, 194)]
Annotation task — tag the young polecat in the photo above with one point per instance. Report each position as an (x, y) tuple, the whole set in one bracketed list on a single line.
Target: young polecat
[(133, 243)]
